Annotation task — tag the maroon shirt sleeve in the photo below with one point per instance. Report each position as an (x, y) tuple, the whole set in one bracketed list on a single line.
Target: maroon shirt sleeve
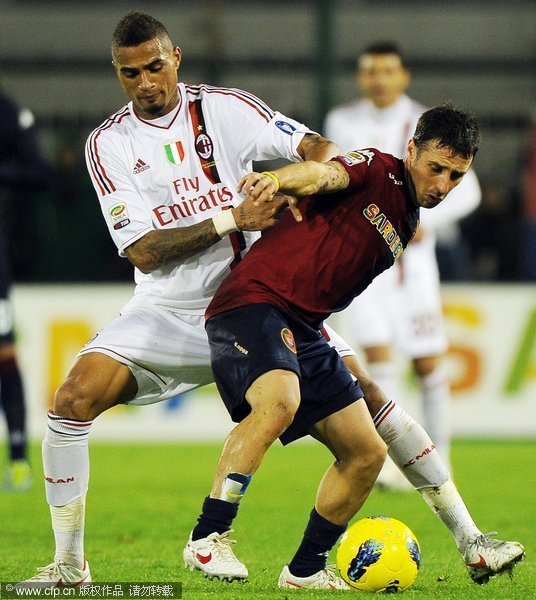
[(357, 164)]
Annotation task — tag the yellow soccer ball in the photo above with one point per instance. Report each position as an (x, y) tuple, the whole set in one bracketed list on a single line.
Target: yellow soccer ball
[(379, 554)]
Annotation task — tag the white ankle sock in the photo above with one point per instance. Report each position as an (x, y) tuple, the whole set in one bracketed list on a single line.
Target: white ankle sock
[(66, 468)]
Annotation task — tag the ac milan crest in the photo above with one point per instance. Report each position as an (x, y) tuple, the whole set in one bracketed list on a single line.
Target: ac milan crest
[(203, 146)]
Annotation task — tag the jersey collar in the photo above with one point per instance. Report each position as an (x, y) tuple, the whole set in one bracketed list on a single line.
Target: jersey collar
[(166, 121)]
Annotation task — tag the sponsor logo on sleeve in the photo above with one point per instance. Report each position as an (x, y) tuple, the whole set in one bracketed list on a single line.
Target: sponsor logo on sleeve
[(119, 215), (354, 158), (285, 127)]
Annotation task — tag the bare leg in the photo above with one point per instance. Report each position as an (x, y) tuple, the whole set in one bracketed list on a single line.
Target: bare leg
[(274, 398), (359, 451)]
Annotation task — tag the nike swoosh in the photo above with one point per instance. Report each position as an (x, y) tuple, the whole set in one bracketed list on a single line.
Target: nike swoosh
[(203, 559), (61, 583), (233, 495), (481, 564)]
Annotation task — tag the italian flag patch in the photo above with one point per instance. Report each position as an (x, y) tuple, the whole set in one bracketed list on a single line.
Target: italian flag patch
[(174, 152)]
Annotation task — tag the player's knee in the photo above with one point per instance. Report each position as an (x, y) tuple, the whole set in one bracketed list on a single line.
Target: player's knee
[(276, 415), (73, 401), (370, 458)]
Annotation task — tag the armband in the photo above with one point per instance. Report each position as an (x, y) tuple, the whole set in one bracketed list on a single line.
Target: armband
[(224, 223), (273, 178)]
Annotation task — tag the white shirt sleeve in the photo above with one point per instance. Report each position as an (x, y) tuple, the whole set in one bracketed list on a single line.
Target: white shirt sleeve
[(125, 213), (252, 131)]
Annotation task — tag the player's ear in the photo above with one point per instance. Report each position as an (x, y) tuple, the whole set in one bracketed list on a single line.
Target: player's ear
[(412, 148), (177, 53)]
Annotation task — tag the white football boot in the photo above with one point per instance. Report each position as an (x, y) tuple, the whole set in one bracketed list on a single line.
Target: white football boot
[(322, 580), (485, 557), (214, 556), (58, 574)]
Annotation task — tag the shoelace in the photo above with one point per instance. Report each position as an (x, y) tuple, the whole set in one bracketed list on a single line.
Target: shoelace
[(333, 578), (51, 569), (486, 539), (222, 546)]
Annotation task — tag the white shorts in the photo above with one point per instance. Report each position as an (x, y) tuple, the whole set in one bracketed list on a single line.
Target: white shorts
[(402, 307), (167, 351)]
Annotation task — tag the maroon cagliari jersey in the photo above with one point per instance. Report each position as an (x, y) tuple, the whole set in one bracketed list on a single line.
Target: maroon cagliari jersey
[(314, 268)]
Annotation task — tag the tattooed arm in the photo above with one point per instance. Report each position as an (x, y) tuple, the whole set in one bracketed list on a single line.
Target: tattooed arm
[(179, 243), (300, 179)]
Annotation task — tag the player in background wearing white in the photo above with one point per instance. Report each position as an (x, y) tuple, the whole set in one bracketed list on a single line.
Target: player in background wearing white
[(402, 308), (164, 168)]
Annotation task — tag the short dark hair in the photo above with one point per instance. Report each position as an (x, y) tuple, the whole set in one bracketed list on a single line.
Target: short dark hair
[(451, 127), (384, 47), (136, 28)]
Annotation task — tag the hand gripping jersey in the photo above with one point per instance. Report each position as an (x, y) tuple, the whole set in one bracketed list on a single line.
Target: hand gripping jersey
[(181, 169), (313, 268)]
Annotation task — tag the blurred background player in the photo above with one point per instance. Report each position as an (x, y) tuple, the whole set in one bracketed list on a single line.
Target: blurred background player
[(402, 306), (22, 168)]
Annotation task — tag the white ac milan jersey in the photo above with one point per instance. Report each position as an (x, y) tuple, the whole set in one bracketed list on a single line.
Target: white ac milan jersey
[(181, 169)]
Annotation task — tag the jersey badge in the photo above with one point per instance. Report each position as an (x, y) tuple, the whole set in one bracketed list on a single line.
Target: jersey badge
[(119, 215), (285, 127), (354, 158), (140, 166), (288, 339), (204, 146), (174, 152)]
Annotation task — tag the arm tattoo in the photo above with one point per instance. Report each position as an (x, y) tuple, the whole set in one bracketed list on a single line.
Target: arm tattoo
[(162, 245)]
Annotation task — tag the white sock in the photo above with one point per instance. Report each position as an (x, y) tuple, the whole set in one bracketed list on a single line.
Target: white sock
[(68, 526), (66, 468), (436, 399), (410, 447), (447, 504), (414, 453)]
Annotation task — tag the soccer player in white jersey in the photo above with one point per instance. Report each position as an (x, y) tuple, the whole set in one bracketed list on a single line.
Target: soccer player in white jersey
[(166, 168), (401, 308)]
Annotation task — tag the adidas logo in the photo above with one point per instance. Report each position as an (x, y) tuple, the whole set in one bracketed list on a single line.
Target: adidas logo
[(140, 166)]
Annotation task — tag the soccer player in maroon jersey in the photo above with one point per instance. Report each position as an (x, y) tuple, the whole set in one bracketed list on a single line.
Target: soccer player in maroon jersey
[(277, 374)]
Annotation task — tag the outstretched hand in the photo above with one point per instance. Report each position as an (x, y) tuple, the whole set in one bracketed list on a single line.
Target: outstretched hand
[(260, 189)]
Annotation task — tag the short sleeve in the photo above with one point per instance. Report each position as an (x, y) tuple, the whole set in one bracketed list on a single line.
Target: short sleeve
[(124, 211), (358, 164)]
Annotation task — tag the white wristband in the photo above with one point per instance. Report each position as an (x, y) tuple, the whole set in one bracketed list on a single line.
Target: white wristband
[(224, 223)]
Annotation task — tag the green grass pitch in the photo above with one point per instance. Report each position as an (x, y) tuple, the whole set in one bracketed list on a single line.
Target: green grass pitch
[(144, 500)]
